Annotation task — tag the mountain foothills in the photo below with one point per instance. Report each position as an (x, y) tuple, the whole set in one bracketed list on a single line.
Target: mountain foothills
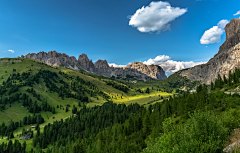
[(136, 70), (224, 62), (53, 103), (34, 95)]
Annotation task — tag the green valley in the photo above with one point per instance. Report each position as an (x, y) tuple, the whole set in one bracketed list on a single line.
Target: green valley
[(65, 110)]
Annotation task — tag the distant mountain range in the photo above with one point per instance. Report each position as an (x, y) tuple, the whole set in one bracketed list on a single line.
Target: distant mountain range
[(136, 70)]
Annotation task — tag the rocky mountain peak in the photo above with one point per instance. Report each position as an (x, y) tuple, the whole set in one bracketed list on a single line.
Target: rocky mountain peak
[(85, 63), (232, 30), (52, 53), (83, 58), (101, 64), (73, 58)]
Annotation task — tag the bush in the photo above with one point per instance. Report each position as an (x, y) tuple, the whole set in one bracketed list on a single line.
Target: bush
[(203, 132)]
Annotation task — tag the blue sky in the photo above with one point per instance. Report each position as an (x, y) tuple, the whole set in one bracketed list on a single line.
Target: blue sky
[(100, 29)]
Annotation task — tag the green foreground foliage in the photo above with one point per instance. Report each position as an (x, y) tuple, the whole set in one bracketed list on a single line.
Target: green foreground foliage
[(202, 133)]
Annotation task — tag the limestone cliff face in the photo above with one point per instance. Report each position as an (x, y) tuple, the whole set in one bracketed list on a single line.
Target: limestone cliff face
[(136, 70), (227, 59), (154, 71), (139, 71), (85, 64)]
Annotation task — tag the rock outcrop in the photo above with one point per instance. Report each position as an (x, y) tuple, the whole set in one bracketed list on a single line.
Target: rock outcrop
[(227, 59), (27, 136), (100, 64), (136, 70), (84, 63), (153, 71)]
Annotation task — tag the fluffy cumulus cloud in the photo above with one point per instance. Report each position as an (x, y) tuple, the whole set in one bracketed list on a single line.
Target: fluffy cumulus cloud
[(155, 17), (157, 60), (168, 65), (213, 35), (171, 66), (115, 65), (238, 13), (221, 24), (12, 51)]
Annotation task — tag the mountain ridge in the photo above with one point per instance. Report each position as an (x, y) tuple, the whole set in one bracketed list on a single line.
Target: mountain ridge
[(136, 70)]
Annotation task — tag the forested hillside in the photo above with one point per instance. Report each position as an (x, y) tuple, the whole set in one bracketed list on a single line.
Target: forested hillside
[(34, 95), (53, 109)]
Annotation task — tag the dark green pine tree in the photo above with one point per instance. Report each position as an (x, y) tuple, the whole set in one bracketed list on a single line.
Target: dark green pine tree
[(9, 146), (230, 79), (53, 110), (38, 132), (147, 90), (219, 82), (236, 77), (24, 146), (212, 86), (37, 127), (11, 135), (225, 79)]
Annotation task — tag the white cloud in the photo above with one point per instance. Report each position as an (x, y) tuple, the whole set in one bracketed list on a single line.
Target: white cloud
[(238, 13), (115, 65), (213, 35), (12, 51), (155, 17), (170, 66), (157, 60), (221, 24)]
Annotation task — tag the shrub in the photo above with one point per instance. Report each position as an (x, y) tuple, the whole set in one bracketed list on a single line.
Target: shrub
[(203, 132)]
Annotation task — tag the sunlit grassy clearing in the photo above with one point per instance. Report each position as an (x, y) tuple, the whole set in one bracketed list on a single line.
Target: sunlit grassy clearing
[(143, 96)]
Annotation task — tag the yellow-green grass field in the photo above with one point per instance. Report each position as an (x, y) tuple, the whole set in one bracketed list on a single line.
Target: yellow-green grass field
[(142, 98)]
